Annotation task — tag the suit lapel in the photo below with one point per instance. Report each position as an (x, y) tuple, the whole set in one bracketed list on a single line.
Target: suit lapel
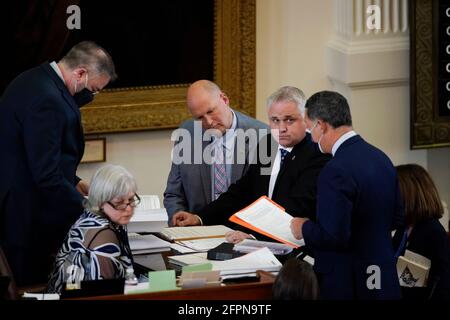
[(288, 162)]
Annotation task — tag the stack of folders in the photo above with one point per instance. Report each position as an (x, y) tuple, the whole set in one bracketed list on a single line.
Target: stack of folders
[(148, 216), (413, 269), (244, 266), (144, 244)]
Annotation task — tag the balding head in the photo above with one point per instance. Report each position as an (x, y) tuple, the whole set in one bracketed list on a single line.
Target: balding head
[(209, 104)]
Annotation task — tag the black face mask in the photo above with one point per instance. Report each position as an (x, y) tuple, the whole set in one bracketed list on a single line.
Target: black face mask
[(83, 97)]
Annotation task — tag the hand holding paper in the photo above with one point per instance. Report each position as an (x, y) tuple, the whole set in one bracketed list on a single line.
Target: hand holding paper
[(268, 218)]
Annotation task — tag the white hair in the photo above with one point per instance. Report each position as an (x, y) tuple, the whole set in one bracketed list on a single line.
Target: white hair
[(288, 93), (107, 183)]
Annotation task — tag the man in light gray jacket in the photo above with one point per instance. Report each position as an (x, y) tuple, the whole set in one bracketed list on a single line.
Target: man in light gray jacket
[(211, 151)]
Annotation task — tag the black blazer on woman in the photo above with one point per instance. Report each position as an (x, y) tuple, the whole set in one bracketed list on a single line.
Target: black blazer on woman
[(430, 240)]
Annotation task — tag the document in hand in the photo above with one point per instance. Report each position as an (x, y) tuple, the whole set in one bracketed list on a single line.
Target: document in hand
[(197, 232), (268, 218), (148, 216), (413, 269)]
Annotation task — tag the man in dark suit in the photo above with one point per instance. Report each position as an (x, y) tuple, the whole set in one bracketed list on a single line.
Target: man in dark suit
[(287, 174), (192, 184), (358, 206), (42, 143)]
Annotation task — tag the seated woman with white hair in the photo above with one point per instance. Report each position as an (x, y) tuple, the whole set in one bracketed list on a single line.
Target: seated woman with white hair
[(96, 246)]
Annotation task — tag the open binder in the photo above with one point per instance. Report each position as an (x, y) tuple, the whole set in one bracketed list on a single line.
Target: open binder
[(268, 218)]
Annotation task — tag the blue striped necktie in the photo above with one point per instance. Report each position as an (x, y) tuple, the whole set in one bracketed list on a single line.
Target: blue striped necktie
[(220, 173)]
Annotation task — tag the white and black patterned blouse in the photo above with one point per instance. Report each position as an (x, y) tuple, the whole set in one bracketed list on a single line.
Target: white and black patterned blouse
[(95, 248)]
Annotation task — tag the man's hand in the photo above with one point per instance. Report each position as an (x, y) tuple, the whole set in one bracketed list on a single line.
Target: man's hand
[(83, 187), (184, 219), (236, 236), (296, 227)]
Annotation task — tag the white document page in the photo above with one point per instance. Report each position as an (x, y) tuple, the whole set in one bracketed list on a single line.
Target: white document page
[(262, 259), (188, 259), (181, 249), (41, 296), (249, 245), (266, 216), (197, 232), (149, 241), (202, 244), (148, 202), (417, 258)]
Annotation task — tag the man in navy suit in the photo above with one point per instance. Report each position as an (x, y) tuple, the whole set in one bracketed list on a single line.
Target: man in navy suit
[(358, 205), (41, 143)]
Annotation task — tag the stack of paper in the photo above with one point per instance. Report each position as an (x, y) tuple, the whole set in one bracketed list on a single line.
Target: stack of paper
[(148, 216), (200, 245), (142, 244), (192, 233), (249, 245), (247, 265)]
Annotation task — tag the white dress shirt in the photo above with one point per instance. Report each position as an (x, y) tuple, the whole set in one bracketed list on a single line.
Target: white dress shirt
[(276, 169)]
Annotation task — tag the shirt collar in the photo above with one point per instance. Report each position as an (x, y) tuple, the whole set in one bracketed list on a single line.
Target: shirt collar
[(341, 140), (285, 148), (55, 67)]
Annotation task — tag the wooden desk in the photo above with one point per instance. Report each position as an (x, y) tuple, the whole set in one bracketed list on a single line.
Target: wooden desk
[(260, 290)]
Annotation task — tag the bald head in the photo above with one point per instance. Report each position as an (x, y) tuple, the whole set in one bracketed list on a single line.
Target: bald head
[(209, 104)]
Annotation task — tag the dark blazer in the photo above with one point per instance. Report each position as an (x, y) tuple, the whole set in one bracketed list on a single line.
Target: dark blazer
[(41, 143), (429, 239), (189, 184), (295, 187), (358, 206)]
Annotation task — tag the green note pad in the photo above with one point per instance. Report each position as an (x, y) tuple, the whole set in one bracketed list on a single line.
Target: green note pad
[(162, 280), (198, 267)]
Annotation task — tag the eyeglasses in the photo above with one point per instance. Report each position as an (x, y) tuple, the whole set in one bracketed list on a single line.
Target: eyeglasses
[(315, 125), (133, 203)]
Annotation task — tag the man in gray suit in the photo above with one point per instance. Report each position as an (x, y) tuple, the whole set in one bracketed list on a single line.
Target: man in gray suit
[(194, 179)]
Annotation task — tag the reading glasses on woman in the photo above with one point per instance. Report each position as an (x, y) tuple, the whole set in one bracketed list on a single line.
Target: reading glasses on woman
[(133, 202)]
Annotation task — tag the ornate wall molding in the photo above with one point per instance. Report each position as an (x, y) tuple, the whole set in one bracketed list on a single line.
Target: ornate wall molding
[(164, 107), (427, 129)]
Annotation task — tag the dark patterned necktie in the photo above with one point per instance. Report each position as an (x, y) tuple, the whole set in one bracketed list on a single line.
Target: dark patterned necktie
[(284, 153)]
